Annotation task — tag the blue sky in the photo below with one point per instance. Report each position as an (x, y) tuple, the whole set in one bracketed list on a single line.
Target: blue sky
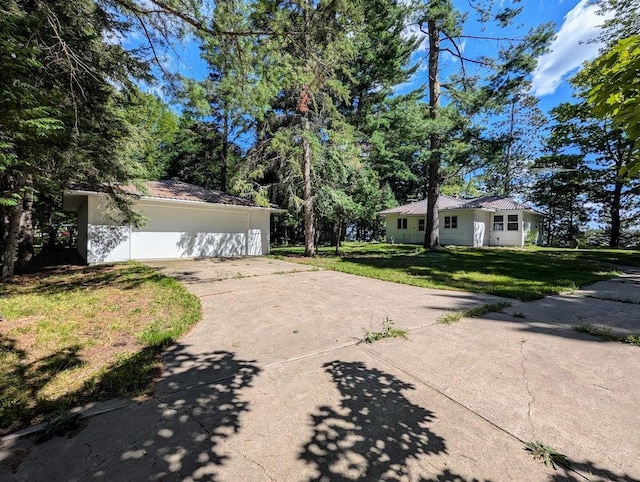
[(576, 22)]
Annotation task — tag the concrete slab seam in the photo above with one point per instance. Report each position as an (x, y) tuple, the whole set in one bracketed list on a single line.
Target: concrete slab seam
[(84, 414)]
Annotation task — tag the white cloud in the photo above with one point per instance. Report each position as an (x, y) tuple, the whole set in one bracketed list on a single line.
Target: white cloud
[(570, 49)]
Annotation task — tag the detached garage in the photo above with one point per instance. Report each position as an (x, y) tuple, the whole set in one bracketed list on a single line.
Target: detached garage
[(182, 221)]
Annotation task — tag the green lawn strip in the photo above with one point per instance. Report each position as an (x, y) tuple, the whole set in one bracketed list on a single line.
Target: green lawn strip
[(72, 336), (522, 274)]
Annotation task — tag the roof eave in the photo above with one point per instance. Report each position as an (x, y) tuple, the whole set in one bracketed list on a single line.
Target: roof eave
[(162, 200)]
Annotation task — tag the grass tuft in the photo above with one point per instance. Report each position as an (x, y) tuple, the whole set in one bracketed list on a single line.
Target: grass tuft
[(455, 316), (388, 331), (547, 454), (607, 335)]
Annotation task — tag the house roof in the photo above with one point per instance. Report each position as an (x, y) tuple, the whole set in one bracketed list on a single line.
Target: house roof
[(490, 203), (175, 190)]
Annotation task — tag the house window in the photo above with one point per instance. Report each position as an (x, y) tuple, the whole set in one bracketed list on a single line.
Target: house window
[(402, 223), (512, 222), (451, 222), (498, 223), (420, 224)]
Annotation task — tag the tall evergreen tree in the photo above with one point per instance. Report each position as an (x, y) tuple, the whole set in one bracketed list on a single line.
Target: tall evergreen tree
[(60, 119), (305, 70), (152, 129), (443, 24), (513, 144), (561, 190)]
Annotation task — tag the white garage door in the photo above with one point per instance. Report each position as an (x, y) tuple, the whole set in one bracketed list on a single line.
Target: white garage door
[(176, 232)]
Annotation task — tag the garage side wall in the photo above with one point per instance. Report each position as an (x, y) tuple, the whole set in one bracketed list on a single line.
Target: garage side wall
[(107, 239), (259, 237)]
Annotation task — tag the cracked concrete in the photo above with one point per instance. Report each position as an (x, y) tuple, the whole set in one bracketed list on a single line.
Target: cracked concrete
[(272, 385), (526, 384)]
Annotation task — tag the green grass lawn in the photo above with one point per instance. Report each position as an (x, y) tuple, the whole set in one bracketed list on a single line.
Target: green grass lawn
[(74, 335), (524, 274)]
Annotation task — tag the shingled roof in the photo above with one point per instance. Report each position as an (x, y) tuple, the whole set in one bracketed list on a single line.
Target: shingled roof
[(177, 190), (490, 203)]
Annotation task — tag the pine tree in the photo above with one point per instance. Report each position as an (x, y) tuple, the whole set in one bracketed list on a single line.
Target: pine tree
[(608, 151), (60, 119), (443, 26), (304, 70)]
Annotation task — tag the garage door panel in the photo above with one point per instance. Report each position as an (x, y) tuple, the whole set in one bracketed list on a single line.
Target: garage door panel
[(181, 220), (151, 245)]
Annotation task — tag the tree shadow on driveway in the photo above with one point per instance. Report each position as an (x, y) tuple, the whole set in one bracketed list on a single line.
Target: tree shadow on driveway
[(375, 431), (178, 434)]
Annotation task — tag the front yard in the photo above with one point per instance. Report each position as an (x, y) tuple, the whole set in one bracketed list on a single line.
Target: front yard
[(74, 335), (523, 274)]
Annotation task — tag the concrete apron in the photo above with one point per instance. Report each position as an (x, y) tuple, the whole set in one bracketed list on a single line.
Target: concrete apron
[(271, 385)]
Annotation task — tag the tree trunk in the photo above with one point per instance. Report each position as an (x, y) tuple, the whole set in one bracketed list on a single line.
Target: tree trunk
[(432, 231), (614, 239), (11, 242), (53, 233), (309, 238), (25, 235), (506, 190), (303, 107), (225, 155)]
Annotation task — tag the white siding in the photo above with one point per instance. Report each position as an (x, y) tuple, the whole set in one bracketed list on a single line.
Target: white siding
[(481, 227), (463, 235), (107, 240), (506, 237), (175, 230), (259, 238), (475, 228), (411, 235)]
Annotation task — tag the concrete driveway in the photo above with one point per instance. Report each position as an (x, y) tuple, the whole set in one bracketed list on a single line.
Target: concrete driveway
[(273, 384)]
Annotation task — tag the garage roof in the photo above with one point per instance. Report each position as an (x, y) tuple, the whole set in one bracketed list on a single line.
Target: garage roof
[(174, 190)]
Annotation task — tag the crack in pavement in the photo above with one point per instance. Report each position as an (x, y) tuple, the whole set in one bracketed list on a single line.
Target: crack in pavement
[(437, 390), (115, 454), (526, 382), (255, 462)]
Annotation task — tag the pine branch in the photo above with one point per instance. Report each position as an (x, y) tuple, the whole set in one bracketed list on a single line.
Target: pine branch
[(199, 25)]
